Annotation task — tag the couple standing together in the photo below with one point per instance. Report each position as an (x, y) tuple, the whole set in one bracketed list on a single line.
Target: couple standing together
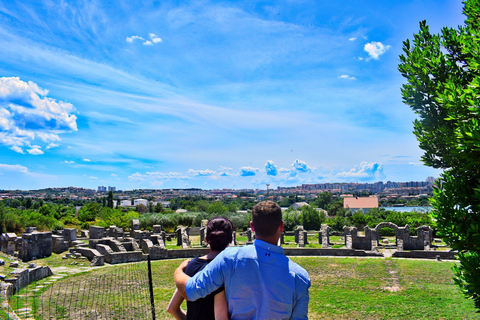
[(252, 282)]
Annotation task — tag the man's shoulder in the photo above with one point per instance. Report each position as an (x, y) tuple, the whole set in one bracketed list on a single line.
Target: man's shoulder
[(236, 252), (299, 271)]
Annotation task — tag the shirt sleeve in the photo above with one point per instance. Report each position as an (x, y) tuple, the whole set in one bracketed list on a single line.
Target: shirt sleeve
[(300, 308), (207, 280)]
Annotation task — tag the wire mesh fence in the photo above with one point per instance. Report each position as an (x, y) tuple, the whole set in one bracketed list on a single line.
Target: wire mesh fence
[(120, 292)]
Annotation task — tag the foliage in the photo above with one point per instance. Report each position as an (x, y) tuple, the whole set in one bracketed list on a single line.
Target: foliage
[(468, 275), (110, 199), (115, 217), (324, 199), (291, 218), (443, 74), (216, 208), (89, 212), (311, 218)]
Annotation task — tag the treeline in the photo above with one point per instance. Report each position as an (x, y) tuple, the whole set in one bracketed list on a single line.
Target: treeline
[(17, 214)]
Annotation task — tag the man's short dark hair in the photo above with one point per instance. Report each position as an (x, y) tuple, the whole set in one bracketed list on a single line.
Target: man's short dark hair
[(266, 218)]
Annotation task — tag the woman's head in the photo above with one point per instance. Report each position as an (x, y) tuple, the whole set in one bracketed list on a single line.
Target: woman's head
[(219, 233)]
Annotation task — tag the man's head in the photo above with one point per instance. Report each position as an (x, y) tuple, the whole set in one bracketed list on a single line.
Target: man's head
[(266, 218)]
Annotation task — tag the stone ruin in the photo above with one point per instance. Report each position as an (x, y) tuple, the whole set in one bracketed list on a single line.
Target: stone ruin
[(113, 245), (301, 237), (403, 240), (182, 236), (324, 236), (7, 242), (203, 233), (34, 245), (250, 236), (64, 239)]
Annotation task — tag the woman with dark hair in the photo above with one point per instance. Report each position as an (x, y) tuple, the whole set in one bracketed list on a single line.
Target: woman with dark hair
[(214, 306)]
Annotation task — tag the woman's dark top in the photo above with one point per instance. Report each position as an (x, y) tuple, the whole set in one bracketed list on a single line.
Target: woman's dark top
[(201, 309)]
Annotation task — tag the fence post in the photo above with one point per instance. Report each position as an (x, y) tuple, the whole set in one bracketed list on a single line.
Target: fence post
[(150, 285)]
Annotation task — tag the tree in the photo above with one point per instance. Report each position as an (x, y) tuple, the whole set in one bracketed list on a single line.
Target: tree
[(324, 199), (311, 218), (110, 199), (141, 208), (216, 208), (443, 89), (89, 212), (158, 207)]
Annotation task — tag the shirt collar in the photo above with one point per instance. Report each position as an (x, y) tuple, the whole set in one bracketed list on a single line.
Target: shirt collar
[(268, 246)]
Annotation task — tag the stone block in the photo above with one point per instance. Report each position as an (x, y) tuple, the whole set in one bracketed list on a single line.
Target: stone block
[(96, 232)]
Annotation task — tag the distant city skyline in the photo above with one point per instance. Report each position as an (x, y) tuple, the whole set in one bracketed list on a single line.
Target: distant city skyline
[(208, 94)]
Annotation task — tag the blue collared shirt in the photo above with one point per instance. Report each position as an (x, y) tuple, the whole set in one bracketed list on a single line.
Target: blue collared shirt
[(260, 283)]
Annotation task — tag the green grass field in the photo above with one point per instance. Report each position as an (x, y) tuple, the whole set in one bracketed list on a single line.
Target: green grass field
[(342, 288), (362, 288)]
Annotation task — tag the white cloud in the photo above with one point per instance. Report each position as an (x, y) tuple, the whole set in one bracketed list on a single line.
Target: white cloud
[(17, 149), (248, 171), (376, 49), (203, 173), (51, 145), (93, 178), (347, 77), (113, 175), (86, 160), (300, 166), (353, 39), (13, 167), (365, 171), (155, 38), (157, 176), (133, 38), (35, 150), (28, 115), (270, 168), (69, 162)]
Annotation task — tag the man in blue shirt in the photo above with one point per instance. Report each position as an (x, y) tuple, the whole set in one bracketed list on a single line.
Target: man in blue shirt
[(260, 281)]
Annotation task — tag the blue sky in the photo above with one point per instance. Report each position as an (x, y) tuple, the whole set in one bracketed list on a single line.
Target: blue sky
[(173, 94)]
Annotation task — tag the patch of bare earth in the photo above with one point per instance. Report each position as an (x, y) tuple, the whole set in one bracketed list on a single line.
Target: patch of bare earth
[(393, 278)]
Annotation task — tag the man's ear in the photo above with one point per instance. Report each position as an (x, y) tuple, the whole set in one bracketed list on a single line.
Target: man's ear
[(251, 226), (281, 226)]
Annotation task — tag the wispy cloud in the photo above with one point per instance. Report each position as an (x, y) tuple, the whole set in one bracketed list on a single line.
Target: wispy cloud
[(156, 176), (347, 77), (203, 173), (352, 39), (133, 38), (13, 167)]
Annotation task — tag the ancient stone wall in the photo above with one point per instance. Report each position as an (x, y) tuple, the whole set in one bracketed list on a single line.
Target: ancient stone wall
[(96, 232), (354, 241), (422, 241), (59, 245), (7, 242), (35, 245)]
